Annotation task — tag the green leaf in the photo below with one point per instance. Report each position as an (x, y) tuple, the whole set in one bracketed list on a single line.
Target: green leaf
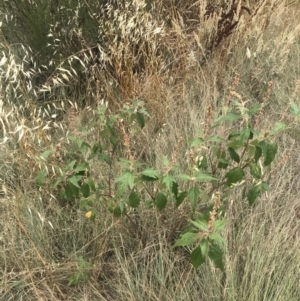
[(70, 166), (215, 253), (200, 224), (295, 109), (140, 119), (255, 170), (254, 109), (204, 246), (264, 187), (216, 237), (223, 163), (71, 191), (148, 179), (235, 144), (175, 189), (40, 177), (134, 199), (91, 183), (231, 116), (183, 177), (151, 173), (186, 239), (196, 142), (202, 177), (58, 181), (161, 201), (202, 163), (235, 175), (270, 153), (251, 150), (83, 166), (234, 155), (105, 158), (85, 190), (279, 127), (245, 135), (117, 212), (217, 139), (180, 198), (193, 195), (253, 194), (234, 135), (219, 224), (75, 179), (197, 258), (126, 179), (169, 181), (258, 153), (46, 154)]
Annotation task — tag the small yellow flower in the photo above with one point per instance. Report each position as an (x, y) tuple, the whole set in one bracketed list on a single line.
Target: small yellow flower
[(88, 214)]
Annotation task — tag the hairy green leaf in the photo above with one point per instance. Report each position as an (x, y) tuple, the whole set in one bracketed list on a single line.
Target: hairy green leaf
[(253, 194), (151, 173), (134, 199), (126, 179), (258, 153), (40, 177), (194, 195), (180, 198), (231, 116), (186, 239), (270, 153), (202, 177), (255, 170), (235, 175), (279, 127), (85, 190), (161, 201), (140, 119), (200, 224), (215, 253), (197, 257)]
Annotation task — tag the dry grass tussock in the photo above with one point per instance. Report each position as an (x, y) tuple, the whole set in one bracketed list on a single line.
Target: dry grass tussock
[(180, 59)]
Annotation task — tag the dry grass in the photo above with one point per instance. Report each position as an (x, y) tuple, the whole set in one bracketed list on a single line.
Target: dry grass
[(44, 241)]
